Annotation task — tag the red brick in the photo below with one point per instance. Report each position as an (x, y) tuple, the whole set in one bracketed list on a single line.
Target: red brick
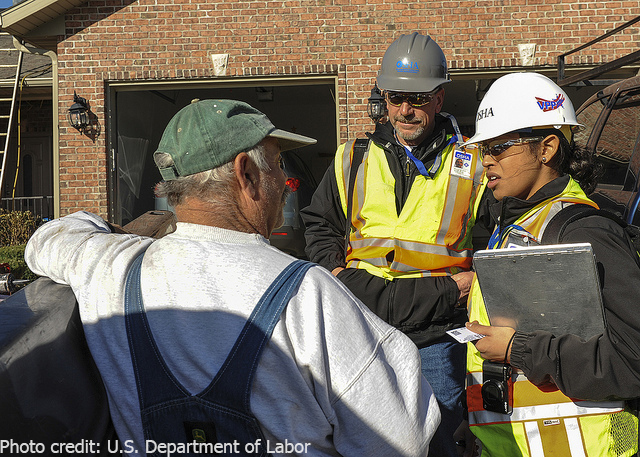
[(160, 39)]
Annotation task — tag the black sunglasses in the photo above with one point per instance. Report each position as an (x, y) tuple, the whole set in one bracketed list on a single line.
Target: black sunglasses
[(415, 100)]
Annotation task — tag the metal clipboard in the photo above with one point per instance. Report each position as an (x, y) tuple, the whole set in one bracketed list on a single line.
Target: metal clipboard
[(553, 287)]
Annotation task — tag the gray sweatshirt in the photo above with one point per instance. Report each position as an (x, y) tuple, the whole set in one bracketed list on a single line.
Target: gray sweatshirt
[(334, 378)]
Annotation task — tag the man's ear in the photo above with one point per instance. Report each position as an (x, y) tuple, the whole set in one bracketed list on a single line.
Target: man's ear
[(439, 99), (247, 174)]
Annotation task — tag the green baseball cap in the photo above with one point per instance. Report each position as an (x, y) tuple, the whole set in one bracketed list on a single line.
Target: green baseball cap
[(209, 133)]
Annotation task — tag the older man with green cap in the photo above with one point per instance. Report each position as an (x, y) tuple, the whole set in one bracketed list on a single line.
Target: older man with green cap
[(209, 340)]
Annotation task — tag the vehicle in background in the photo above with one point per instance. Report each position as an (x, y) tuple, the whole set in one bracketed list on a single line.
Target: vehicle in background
[(612, 131), (611, 119), (290, 237)]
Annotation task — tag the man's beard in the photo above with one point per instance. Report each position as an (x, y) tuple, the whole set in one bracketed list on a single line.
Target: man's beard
[(406, 135), (270, 190), (285, 194)]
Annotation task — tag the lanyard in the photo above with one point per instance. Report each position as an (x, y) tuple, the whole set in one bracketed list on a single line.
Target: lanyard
[(418, 163), (458, 136), (497, 237), (433, 169)]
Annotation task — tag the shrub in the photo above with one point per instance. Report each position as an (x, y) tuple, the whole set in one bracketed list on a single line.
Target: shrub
[(16, 227), (14, 256)]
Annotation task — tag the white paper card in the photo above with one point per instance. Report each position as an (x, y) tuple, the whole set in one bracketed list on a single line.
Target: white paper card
[(464, 335)]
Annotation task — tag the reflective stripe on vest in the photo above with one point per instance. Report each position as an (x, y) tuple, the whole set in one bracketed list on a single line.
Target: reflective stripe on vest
[(432, 234), (536, 219), (531, 403), (542, 422)]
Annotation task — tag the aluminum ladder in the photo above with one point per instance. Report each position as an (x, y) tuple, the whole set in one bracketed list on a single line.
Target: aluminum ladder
[(6, 117)]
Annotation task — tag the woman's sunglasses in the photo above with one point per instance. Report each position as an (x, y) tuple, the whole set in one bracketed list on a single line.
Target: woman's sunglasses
[(495, 150)]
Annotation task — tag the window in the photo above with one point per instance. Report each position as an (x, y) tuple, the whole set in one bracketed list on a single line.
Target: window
[(616, 145)]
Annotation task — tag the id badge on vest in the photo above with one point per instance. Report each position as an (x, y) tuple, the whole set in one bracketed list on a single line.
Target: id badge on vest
[(461, 164), (520, 239)]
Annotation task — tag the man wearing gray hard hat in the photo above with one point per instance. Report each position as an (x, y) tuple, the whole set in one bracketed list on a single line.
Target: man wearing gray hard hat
[(211, 341), (392, 219)]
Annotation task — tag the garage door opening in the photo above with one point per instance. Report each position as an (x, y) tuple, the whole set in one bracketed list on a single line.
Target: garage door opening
[(138, 115)]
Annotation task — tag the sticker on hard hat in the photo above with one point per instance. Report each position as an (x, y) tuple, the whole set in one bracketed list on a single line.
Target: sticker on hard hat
[(550, 105), (461, 164), (487, 112), (405, 66)]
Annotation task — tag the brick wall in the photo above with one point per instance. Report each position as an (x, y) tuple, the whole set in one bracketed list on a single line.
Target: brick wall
[(116, 40)]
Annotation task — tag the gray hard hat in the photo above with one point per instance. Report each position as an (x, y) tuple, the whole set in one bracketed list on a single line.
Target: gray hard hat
[(413, 63)]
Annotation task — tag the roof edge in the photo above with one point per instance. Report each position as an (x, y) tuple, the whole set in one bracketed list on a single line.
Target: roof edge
[(26, 19)]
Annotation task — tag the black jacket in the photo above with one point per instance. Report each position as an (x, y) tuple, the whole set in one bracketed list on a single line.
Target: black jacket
[(606, 366), (423, 308)]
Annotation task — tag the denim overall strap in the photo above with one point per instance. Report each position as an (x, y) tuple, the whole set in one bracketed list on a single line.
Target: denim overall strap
[(155, 382), (226, 388), (222, 410)]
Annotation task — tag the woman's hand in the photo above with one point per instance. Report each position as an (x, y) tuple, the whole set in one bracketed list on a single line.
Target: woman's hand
[(495, 343)]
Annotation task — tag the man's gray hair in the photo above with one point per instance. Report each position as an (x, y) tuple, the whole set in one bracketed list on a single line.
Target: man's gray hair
[(211, 185)]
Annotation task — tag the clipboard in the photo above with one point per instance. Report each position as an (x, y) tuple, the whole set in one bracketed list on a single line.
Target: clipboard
[(552, 287)]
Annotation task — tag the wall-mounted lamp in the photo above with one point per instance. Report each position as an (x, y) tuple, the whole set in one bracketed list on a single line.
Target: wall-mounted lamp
[(377, 107), (79, 112)]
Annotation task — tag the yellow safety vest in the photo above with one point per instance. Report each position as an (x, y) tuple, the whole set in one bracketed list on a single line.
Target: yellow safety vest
[(544, 423), (432, 234)]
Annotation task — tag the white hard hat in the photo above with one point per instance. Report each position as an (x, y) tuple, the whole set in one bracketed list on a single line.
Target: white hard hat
[(519, 101)]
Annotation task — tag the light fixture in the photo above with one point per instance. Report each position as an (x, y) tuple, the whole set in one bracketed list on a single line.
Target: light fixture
[(377, 107), (79, 112)]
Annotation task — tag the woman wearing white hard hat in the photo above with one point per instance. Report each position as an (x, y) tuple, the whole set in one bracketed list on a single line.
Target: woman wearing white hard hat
[(524, 131)]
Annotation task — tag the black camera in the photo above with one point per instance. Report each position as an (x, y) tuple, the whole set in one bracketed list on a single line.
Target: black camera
[(497, 387)]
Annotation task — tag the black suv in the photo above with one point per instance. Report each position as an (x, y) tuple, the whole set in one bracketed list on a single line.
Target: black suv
[(612, 130)]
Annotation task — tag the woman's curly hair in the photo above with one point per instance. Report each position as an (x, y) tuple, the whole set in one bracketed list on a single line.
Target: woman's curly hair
[(579, 162)]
